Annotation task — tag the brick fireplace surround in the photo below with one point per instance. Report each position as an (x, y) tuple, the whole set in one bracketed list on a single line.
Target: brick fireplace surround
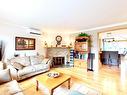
[(60, 55)]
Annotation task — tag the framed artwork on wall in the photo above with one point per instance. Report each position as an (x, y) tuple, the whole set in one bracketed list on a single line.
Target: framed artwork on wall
[(22, 43)]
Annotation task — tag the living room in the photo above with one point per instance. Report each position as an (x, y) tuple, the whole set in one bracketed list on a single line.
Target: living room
[(52, 33)]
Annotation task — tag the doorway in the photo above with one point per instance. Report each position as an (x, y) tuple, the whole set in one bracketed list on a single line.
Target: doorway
[(113, 47)]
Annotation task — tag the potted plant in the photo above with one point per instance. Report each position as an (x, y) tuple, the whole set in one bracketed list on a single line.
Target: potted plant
[(86, 35), (83, 34)]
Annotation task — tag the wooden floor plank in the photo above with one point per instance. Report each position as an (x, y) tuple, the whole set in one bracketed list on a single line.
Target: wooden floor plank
[(107, 80)]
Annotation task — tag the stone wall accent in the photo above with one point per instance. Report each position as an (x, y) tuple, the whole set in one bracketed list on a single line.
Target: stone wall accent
[(59, 52)]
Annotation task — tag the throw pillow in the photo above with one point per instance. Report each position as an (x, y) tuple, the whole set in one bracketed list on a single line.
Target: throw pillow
[(25, 61), (18, 65), (5, 76), (36, 59)]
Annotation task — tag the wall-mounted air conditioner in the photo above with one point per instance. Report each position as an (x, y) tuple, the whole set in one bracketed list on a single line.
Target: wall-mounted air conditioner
[(34, 31)]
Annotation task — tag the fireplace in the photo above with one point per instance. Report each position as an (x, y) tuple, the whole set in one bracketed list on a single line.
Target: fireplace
[(58, 61), (60, 55)]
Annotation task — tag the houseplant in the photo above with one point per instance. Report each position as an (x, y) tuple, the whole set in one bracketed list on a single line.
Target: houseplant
[(86, 35), (83, 34)]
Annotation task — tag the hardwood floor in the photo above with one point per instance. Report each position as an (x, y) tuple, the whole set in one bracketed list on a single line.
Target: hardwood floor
[(108, 81)]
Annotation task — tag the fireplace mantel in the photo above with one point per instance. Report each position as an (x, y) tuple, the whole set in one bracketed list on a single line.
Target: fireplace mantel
[(58, 47)]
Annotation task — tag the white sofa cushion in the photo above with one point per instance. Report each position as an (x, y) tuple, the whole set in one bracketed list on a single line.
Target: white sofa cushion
[(26, 70), (25, 61), (39, 67), (10, 88), (36, 59), (5, 76)]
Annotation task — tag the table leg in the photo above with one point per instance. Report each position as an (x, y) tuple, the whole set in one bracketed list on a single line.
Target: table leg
[(37, 85), (69, 83), (51, 92)]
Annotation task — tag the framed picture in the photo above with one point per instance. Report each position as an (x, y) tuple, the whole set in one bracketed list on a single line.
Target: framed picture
[(22, 43)]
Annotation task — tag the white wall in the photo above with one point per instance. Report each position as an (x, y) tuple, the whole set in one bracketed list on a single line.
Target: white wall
[(50, 35), (8, 32), (123, 69), (95, 50)]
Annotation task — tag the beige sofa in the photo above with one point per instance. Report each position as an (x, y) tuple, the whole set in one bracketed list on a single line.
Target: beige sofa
[(7, 85), (24, 67)]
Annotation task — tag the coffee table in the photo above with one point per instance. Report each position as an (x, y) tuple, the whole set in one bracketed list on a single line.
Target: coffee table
[(52, 83)]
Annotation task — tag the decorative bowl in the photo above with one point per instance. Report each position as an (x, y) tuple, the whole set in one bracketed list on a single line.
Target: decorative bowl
[(53, 74)]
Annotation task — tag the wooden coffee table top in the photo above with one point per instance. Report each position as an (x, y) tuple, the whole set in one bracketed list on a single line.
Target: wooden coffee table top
[(52, 83)]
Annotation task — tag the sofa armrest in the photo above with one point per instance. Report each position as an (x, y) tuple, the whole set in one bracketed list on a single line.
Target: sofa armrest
[(13, 71), (49, 63)]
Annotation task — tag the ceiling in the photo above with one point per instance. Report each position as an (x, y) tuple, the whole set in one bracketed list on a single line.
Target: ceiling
[(63, 14)]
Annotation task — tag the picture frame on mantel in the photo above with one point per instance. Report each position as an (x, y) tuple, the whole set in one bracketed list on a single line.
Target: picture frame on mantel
[(23, 43)]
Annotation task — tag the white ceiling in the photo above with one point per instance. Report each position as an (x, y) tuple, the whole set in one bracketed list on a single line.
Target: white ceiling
[(63, 14)]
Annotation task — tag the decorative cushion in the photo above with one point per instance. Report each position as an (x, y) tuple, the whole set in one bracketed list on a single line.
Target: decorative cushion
[(36, 59), (25, 61), (5, 76), (18, 65), (75, 93)]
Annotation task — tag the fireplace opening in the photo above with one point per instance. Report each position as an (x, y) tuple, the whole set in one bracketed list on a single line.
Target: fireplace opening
[(58, 61)]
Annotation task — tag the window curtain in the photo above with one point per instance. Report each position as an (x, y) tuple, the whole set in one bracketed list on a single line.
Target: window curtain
[(2, 50)]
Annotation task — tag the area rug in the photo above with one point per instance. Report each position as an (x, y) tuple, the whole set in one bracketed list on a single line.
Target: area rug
[(62, 90)]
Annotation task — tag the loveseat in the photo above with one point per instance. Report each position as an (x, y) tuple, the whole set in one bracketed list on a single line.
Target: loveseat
[(24, 67), (7, 85)]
